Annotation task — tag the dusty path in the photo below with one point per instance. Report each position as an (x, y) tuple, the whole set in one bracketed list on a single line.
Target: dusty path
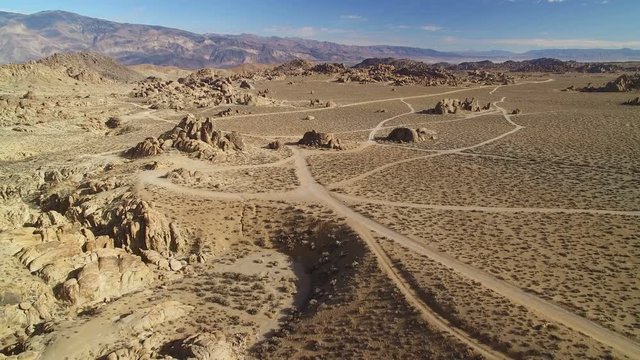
[(434, 152), (311, 191), (490, 209), (317, 193), (517, 295)]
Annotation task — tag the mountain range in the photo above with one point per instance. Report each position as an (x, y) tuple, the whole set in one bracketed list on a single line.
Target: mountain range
[(27, 37)]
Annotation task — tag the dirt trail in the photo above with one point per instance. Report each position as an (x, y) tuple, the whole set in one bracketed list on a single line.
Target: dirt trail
[(311, 191), (438, 152), (517, 295), (491, 209), (318, 193)]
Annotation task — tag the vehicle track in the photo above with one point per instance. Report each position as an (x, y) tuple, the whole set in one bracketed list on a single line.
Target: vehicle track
[(310, 190), (490, 209)]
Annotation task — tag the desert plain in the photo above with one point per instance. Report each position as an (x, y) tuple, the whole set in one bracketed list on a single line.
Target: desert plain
[(158, 213)]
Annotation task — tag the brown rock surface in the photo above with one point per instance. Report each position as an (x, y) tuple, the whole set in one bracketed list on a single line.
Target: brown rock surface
[(320, 140)]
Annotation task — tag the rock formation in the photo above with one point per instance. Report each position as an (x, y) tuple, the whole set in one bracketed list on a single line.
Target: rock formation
[(203, 88), (137, 226), (407, 135), (321, 140), (149, 147), (208, 346), (452, 106), (633, 102), (113, 122), (109, 273), (191, 135), (623, 83), (275, 145)]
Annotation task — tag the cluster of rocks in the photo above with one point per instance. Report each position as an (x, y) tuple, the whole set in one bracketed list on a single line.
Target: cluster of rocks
[(408, 135), (321, 140), (29, 109), (453, 106), (483, 77), (394, 71), (542, 65), (301, 67), (80, 267), (203, 88), (193, 136), (623, 83), (632, 102)]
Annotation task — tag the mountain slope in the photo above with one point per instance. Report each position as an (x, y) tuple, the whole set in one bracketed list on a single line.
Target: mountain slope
[(28, 37)]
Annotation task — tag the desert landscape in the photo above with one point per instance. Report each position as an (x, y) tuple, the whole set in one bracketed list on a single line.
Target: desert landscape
[(293, 180), (318, 211)]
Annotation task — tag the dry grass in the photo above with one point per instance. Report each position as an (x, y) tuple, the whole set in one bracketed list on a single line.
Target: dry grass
[(585, 263)]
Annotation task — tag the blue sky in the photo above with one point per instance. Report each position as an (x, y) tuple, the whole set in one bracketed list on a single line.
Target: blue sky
[(440, 24)]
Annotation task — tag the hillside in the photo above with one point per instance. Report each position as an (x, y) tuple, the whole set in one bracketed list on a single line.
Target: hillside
[(28, 37)]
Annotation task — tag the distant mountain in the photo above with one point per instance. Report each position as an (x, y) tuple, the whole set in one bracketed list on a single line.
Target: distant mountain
[(28, 37), (584, 55)]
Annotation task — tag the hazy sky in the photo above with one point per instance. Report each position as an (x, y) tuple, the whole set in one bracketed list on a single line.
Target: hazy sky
[(439, 24)]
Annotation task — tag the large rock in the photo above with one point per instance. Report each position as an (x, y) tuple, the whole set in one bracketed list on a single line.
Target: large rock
[(208, 346), (623, 83), (113, 122), (452, 106), (403, 134), (197, 136), (320, 140), (137, 226), (407, 135), (110, 273), (147, 318), (149, 147)]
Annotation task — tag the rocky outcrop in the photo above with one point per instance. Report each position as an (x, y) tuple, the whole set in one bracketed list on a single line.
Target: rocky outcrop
[(147, 318), (149, 147), (632, 102), (202, 88), (109, 273), (453, 106), (275, 145), (244, 84), (320, 140), (113, 122), (208, 346), (407, 135), (623, 83), (191, 135), (135, 226)]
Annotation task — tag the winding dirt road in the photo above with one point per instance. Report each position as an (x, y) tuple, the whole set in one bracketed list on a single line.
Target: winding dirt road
[(311, 191)]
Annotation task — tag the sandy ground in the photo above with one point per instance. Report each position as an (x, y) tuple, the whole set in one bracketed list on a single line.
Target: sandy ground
[(383, 250)]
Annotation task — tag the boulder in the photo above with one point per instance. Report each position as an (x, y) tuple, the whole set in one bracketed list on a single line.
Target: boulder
[(149, 147), (235, 138), (275, 145), (147, 318), (244, 84), (403, 134), (208, 346), (632, 102), (113, 122), (320, 140), (137, 226), (110, 273), (452, 106)]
